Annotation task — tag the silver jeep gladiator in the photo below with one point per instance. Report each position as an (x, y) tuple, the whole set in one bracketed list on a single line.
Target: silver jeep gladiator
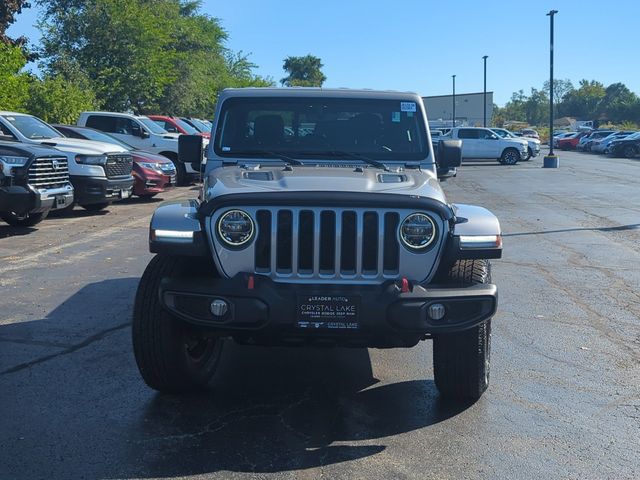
[(321, 222)]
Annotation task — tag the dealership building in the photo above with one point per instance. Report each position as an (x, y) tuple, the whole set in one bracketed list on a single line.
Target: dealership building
[(469, 109)]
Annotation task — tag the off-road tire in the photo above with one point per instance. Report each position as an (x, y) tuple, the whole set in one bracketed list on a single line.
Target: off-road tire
[(510, 156), (96, 207), (160, 341), (28, 220), (461, 361)]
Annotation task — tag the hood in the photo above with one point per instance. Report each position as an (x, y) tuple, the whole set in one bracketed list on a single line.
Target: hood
[(86, 147), (232, 180), (144, 156)]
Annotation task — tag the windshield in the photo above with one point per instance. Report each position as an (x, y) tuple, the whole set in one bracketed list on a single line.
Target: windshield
[(97, 136), (633, 136), (201, 127), (152, 126), (32, 127), (186, 127), (504, 133), (327, 127)]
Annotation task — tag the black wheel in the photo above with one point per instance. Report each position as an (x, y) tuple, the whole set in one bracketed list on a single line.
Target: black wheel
[(510, 156), (172, 356), (630, 151), (96, 207), (461, 361), (26, 220)]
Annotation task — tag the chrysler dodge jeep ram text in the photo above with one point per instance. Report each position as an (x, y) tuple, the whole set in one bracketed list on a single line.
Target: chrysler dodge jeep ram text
[(321, 221)]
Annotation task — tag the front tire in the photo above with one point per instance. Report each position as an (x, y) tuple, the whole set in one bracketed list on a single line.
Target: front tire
[(461, 361), (27, 220), (172, 356), (510, 156)]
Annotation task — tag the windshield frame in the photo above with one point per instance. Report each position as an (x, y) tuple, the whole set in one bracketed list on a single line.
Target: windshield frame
[(101, 135), (418, 150)]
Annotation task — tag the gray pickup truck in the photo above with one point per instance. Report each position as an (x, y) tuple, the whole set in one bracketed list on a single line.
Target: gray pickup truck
[(33, 181), (321, 222)]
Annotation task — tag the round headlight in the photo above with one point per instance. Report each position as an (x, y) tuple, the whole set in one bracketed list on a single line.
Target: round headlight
[(235, 228), (417, 231)]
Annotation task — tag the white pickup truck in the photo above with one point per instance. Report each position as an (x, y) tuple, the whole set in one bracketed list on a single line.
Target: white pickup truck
[(484, 143)]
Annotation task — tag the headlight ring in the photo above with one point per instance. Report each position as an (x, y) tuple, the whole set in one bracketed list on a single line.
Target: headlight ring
[(418, 231), (236, 228)]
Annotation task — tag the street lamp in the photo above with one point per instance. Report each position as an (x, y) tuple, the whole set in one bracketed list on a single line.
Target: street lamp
[(551, 161), (484, 96), (453, 117)]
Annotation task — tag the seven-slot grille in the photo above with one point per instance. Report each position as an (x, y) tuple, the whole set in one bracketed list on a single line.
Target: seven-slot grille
[(49, 172), (342, 243), (118, 165)]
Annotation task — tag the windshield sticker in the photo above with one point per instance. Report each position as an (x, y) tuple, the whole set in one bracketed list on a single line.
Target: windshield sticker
[(407, 106), (226, 149), (409, 114), (395, 117)]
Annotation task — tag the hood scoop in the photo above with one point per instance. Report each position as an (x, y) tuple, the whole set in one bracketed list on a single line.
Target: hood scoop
[(391, 178), (264, 176)]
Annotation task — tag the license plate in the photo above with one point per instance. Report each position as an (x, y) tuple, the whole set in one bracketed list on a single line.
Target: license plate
[(328, 312), (125, 193), (61, 201)]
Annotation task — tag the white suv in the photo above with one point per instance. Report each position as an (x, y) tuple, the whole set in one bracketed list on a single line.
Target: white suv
[(143, 133)]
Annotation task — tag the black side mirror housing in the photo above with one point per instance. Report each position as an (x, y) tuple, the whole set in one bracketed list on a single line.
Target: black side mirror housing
[(190, 149), (144, 133), (448, 158)]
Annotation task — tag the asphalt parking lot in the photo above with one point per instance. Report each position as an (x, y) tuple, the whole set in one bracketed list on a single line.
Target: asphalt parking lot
[(564, 399)]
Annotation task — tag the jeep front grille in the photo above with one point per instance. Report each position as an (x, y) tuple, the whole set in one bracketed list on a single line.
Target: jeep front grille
[(49, 172), (340, 245), (118, 165), (351, 243)]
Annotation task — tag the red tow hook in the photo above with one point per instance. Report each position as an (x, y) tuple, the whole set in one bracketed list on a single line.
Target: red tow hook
[(405, 285), (250, 283)]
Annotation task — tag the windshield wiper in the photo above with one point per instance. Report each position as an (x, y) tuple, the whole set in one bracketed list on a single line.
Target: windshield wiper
[(357, 156), (287, 160)]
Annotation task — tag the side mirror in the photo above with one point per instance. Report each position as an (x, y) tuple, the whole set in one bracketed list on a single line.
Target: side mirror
[(190, 149), (448, 157), (144, 133)]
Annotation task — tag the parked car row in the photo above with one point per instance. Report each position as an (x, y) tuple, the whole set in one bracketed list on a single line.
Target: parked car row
[(105, 158), (618, 143)]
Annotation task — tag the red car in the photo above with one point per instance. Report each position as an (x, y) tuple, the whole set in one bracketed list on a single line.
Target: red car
[(177, 125), (570, 142), (152, 173)]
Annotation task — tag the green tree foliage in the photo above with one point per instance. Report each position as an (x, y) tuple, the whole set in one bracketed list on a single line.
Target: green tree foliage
[(619, 104), (560, 89), (303, 72), (148, 56), (14, 85), (59, 100)]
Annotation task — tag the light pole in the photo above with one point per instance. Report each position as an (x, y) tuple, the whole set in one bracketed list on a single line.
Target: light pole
[(551, 161), (453, 116), (484, 95)]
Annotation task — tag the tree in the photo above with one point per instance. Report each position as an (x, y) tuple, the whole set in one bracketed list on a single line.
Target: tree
[(618, 102), (560, 89), (58, 100), (14, 85), (303, 72), (141, 55), (536, 107), (583, 102), (8, 11)]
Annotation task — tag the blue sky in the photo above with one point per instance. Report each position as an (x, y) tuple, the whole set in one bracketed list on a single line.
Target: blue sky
[(418, 45)]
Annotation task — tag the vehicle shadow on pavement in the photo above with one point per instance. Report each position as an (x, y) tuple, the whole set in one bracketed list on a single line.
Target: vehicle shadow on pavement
[(74, 404), (7, 231), (279, 409)]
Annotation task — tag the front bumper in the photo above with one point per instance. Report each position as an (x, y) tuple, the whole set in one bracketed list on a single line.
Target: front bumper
[(53, 198), (267, 312), (148, 182), (90, 190)]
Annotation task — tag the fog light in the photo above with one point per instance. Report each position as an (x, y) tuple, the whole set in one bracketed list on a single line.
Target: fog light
[(436, 311), (219, 308)]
